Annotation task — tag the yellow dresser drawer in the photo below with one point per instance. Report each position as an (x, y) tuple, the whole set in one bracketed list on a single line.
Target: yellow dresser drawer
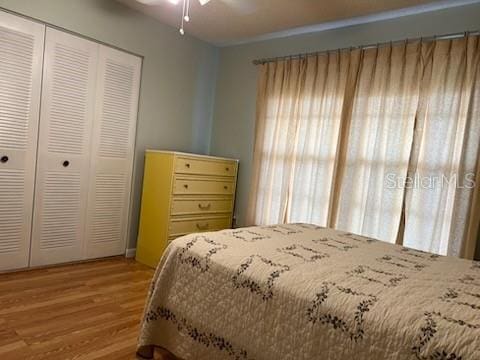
[(192, 225), (194, 166), (186, 206), (185, 186)]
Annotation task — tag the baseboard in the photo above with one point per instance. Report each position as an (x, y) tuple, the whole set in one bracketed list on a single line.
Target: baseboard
[(130, 253)]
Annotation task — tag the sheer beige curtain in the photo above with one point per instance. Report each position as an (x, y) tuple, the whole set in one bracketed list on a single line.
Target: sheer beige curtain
[(441, 213), (299, 111), (378, 142), (339, 135)]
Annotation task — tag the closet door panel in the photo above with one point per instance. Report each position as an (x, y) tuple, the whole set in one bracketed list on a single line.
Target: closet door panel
[(21, 53), (68, 100), (112, 152)]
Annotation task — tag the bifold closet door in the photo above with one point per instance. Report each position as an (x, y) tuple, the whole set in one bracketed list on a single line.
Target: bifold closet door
[(67, 112), (21, 52), (113, 137)]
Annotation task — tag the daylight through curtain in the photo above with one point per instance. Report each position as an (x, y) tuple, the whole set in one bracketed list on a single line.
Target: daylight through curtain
[(343, 138)]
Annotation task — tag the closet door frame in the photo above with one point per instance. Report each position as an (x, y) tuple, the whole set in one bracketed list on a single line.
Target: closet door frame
[(34, 155), (18, 163)]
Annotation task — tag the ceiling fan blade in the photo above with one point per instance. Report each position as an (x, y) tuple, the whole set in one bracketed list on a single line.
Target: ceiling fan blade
[(149, 2), (154, 2), (244, 7)]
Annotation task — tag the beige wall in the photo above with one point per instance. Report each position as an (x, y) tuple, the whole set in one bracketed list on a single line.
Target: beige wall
[(176, 99), (234, 117)]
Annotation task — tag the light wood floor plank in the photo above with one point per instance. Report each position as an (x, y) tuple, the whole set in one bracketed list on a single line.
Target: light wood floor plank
[(83, 311)]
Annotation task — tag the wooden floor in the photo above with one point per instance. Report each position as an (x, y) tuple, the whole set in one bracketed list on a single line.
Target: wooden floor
[(81, 311)]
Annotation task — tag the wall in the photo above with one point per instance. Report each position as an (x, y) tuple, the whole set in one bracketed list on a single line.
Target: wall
[(234, 116), (178, 79)]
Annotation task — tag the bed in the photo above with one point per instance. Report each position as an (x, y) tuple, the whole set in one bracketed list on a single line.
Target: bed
[(299, 291)]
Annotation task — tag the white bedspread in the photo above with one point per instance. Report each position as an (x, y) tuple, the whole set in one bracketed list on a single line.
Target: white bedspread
[(302, 292)]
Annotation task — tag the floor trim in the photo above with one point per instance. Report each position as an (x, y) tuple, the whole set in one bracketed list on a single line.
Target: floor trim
[(130, 253)]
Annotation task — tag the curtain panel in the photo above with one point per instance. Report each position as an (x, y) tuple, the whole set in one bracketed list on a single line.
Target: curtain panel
[(382, 142)]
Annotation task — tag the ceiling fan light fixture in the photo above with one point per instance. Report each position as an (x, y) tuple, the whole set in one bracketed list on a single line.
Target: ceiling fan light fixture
[(185, 9)]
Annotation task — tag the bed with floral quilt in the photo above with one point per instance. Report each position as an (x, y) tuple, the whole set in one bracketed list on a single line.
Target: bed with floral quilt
[(299, 291)]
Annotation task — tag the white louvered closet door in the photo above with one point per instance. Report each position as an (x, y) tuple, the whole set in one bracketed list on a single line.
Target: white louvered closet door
[(112, 152), (67, 111), (21, 52)]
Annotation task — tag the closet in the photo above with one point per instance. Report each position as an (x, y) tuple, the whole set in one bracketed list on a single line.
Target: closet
[(68, 109)]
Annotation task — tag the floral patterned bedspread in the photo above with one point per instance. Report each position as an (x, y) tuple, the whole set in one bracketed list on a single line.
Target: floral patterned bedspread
[(299, 291)]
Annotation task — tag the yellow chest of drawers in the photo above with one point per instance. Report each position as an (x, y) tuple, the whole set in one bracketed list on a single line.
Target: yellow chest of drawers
[(182, 194)]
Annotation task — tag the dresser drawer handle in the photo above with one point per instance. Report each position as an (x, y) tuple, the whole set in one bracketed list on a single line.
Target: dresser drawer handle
[(202, 227), (185, 186), (4, 159), (204, 207), (225, 187), (227, 169), (187, 165)]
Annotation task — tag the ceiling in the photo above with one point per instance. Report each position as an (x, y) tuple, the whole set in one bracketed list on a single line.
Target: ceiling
[(229, 21)]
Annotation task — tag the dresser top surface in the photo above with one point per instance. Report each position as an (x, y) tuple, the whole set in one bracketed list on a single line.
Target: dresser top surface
[(179, 153)]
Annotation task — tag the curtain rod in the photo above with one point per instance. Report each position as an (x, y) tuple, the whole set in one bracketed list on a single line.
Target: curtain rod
[(304, 55)]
